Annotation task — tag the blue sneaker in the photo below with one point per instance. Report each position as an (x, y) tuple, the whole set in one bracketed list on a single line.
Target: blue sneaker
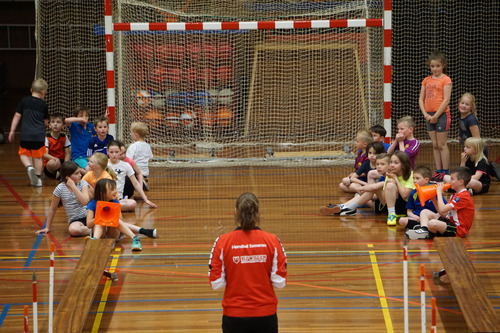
[(136, 244)]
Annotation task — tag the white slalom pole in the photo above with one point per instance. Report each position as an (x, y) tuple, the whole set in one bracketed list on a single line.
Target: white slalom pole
[(26, 328), (35, 305), (422, 297), (433, 327), (405, 285), (51, 288)]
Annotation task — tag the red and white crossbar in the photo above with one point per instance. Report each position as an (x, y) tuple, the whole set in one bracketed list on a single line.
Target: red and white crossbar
[(254, 25)]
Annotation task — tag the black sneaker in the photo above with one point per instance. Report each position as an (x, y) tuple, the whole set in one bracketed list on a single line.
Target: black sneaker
[(330, 210), (347, 211), (419, 233), (148, 232), (438, 177)]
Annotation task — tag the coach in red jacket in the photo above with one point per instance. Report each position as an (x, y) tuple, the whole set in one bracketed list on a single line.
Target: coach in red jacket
[(249, 262)]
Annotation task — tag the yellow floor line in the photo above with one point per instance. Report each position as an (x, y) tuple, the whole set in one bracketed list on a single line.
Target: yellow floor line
[(105, 292), (380, 290)]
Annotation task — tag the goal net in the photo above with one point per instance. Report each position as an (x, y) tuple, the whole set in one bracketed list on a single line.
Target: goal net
[(241, 95)]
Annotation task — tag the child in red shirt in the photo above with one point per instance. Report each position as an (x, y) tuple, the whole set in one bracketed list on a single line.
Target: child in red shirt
[(459, 211)]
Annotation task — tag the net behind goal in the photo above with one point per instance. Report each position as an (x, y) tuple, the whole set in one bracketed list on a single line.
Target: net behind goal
[(249, 91)]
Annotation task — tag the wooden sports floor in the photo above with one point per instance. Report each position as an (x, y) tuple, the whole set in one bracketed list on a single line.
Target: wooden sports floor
[(345, 274)]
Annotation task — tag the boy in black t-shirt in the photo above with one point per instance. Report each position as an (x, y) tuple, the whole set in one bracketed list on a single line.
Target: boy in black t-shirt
[(33, 114)]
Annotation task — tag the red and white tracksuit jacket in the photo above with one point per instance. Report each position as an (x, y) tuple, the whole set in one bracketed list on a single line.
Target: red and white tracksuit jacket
[(249, 264)]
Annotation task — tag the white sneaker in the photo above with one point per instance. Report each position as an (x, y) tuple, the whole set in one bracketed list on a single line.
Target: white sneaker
[(33, 177), (38, 182), (417, 234)]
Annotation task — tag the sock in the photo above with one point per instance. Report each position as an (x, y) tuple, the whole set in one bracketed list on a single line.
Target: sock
[(39, 176), (29, 166), (352, 205), (391, 210), (142, 231), (439, 171), (446, 171)]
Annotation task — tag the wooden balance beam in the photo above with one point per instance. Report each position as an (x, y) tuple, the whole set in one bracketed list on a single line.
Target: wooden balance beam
[(80, 292), (469, 291)]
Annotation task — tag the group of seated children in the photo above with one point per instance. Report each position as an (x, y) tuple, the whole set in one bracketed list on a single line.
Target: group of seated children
[(389, 186), (87, 155)]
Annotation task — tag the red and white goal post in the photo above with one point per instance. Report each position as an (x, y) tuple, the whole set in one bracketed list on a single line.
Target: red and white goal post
[(242, 91)]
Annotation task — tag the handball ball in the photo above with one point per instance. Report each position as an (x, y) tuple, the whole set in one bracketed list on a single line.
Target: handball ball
[(225, 96), (143, 98), (153, 119), (188, 118), (224, 117), (159, 74), (172, 119), (207, 119)]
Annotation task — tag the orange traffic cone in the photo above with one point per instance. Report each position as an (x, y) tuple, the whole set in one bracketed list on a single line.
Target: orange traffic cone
[(428, 192), (107, 213)]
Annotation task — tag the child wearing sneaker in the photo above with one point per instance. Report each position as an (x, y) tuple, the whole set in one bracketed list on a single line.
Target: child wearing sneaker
[(360, 177), (32, 113), (81, 131), (458, 212), (421, 176), (363, 139), (474, 159), (140, 151), (123, 170), (375, 182), (393, 193), (405, 141), (105, 190), (128, 190), (73, 194), (58, 147)]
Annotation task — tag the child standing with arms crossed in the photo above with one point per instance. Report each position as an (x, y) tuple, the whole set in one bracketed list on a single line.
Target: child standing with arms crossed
[(140, 151), (58, 147), (405, 141), (123, 170), (435, 95), (73, 193), (33, 114), (249, 262), (459, 211)]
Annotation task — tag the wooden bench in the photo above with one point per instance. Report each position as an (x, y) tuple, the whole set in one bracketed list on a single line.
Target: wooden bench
[(469, 291), (79, 294)]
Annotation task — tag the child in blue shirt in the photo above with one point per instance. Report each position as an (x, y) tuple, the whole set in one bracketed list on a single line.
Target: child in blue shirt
[(99, 143), (421, 176), (81, 132)]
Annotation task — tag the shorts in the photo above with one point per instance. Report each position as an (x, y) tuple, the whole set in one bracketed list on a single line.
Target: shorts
[(411, 224), (400, 206), (266, 324), (81, 219), (32, 152), (484, 189), (451, 228), (82, 161), (48, 173), (442, 125)]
